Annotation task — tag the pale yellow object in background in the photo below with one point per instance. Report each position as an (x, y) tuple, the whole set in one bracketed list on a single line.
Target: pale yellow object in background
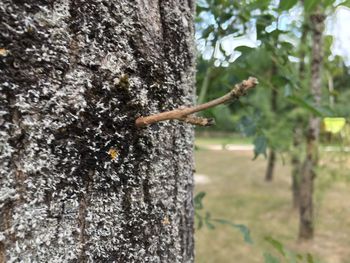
[(334, 125)]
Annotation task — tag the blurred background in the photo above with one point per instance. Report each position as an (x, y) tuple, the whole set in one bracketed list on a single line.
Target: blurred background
[(249, 166)]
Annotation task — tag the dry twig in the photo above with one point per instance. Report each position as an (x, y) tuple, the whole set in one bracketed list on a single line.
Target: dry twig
[(185, 114)]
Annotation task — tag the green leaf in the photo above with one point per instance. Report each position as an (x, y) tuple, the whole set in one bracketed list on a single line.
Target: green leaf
[(287, 90), (287, 46), (209, 225), (198, 201), (277, 245), (309, 5), (245, 232), (287, 4), (305, 104), (260, 146), (247, 126), (345, 3), (328, 2), (200, 220), (207, 221), (265, 19), (270, 259), (206, 32), (278, 80), (326, 111), (242, 228)]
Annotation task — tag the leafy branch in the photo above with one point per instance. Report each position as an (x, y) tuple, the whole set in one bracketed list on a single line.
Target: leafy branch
[(204, 218), (285, 254)]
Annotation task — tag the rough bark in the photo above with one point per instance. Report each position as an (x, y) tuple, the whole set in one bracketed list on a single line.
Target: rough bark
[(306, 229), (79, 182)]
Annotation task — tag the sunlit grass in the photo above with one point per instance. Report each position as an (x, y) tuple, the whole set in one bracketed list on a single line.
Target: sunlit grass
[(237, 192), (230, 138)]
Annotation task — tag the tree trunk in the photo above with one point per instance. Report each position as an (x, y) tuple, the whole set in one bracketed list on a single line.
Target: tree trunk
[(79, 182), (306, 229), (296, 166), (270, 166), (298, 130), (273, 105)]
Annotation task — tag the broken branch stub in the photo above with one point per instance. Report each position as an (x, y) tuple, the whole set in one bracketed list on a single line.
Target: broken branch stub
[(185, 114)]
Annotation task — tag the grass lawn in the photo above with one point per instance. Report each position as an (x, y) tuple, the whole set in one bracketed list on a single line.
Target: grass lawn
[(222, 140), (236, 191)]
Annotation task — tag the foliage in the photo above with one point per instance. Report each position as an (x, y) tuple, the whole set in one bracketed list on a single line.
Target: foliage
[(204, 218), (286, 255), (276, 62), (282, 62)]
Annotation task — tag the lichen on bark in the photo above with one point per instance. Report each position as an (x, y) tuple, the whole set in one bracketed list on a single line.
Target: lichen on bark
[(75, 77)]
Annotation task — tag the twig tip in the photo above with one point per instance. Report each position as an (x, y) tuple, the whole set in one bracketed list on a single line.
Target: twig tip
[(253, 80)]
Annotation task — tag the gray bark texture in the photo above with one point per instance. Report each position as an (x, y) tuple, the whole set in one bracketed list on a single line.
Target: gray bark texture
[(308, 173), (78, 181)]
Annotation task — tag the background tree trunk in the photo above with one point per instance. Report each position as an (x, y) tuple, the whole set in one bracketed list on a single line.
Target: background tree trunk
[(273, 104), (298, 128), (306, 229), (296, 165), (270, 165), (79, 183)]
